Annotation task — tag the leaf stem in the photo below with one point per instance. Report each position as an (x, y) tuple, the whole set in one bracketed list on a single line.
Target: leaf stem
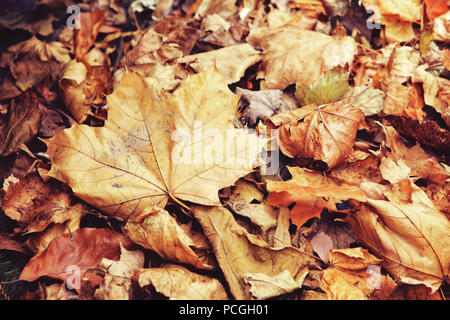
[(179, 202)]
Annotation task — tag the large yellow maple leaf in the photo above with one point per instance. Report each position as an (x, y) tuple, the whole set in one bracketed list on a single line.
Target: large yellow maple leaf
[(155, 146)]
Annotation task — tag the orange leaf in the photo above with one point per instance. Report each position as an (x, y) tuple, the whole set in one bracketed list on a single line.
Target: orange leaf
[(90, 24), (435, 8)]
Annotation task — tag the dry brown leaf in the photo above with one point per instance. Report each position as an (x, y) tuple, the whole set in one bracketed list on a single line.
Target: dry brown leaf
[(355, 275), (410, 236), (86, 32), (178, 283), (83, 85), (327, 132), (7, 242), (435, 88), (118, 274), (260, 105), (309, 200), (394, 171), (35, 204), (38, 242), (32, 60), (263, 286), (84, 248), (421, 163), (157, 230), (293, 55), (231, 61), (20, 124), (239, 253), (148, 150)]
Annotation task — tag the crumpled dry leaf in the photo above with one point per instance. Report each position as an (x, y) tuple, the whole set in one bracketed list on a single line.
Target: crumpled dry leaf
[(421, 163), (263, 286), (410, 235), (7, 242), (117, 282), (327, 132), (260, 105), (355, 275), (394, 171), (434, 88), (85, 248), (32, 60), (147, 151), (441, 27), (239, 253), (83, 85), (292, 55), (178, 283), (368, 99), (231, 61), (87, 31), (35, 204), (38, 242), (322, 244), (157, 230), (309, 200), (20, 124)]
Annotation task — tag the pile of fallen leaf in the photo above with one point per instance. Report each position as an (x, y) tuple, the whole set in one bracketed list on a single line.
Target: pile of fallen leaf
[(105, 194)]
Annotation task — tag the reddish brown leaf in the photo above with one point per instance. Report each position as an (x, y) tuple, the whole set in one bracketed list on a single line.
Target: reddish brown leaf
[(86, 249)]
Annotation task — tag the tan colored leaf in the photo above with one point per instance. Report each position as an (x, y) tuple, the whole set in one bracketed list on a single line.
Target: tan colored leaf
[(239, 253), (38, 242), (293, 55), (35, 204), (156, 146), (178, 283), (435, 88), (83, 85), (421, 163), (326, 133), (394, 171), (118, 274), (410, 236), (85, 248), (355, 275), (263, 286), (160, 232), (231, 61)]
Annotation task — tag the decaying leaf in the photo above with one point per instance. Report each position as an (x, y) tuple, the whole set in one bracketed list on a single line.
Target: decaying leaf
[(230, 61), (156, 146), (309, 200), (260, 105), (264, 287), (326, 133), (159, 231), (83, 249), (292, 55), (178, 283), (239, 253), (32, 60), (117, 282), (410, 236), (20, 124), (35, 204)]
